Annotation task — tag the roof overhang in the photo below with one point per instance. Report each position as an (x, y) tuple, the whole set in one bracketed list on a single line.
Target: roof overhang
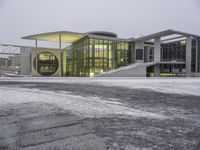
[(61, 36), (163, 34)]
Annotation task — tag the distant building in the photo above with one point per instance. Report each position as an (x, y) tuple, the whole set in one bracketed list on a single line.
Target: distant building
[(10, 64), (3, 62), (10, 60), (168, 53)]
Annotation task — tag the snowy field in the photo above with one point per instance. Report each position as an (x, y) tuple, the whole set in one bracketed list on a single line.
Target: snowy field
[(189, 86), (99, 113)]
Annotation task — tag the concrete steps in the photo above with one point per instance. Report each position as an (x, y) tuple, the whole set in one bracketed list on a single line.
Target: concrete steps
[(132, 70)]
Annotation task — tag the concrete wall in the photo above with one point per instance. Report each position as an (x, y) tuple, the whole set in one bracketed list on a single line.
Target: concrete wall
[(157, 70), (56, 52), (133, 72), (25, 60), (195, 74)]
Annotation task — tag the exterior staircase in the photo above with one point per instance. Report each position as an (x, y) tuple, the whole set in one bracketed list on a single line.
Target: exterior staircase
[(132, 70)]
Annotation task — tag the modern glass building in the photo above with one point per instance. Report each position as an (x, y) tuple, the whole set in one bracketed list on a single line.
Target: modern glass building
[(93, 55), (88, 54), (167, 53)]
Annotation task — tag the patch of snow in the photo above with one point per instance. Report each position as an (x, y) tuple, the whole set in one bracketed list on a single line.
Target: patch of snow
[(82, 106), (124, 68), (187, 86)]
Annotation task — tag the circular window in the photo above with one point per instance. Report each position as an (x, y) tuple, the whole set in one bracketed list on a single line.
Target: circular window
[(47, 63)]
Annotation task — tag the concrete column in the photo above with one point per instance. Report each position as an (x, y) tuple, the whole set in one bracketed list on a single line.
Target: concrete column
[(157, 70), (198, 49), (25, 60), (157, 49), (36, 58), (132, 52), (34, 72), (147, 54), (188, 55), (196, 69), (60, 48), (139, 45), (6, 65)]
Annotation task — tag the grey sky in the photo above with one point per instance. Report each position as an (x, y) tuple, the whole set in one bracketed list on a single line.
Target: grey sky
[(127, 18)]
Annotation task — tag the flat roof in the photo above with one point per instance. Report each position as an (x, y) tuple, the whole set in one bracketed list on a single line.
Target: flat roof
[(164, 33), (103, 33), (70, 37), (106, 38), (66, 36)]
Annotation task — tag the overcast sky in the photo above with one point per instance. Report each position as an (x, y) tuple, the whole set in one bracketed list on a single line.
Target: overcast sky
[(127, 18)]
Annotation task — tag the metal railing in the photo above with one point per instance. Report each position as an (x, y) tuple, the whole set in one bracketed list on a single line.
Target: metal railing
[(171, 60)]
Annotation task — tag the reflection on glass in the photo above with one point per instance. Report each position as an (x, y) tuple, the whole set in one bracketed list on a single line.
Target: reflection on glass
[(91, 56), (47, 63)]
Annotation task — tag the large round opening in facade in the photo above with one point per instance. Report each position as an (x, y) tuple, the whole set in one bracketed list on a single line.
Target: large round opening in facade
[(47, 63)]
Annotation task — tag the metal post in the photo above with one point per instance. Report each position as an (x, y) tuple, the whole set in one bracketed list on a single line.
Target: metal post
[(196, 69), (60, 42)]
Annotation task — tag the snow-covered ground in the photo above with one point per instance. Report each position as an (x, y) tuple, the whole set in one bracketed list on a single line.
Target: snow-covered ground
[(81, 106), (94, 106), (189, 86), (123, 113)]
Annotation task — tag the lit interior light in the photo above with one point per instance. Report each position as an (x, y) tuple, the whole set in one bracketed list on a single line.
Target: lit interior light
[(91, 74), (183, 42)]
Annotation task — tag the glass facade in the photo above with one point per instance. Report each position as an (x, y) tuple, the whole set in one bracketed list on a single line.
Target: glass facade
[(173, 51), (193, 64), (139, 54), (172, 68), (195, 60), (148, 52), (170, 52), (91, 56)]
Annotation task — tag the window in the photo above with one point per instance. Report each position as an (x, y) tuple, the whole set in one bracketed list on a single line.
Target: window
[(47, 63), (139, 54)]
